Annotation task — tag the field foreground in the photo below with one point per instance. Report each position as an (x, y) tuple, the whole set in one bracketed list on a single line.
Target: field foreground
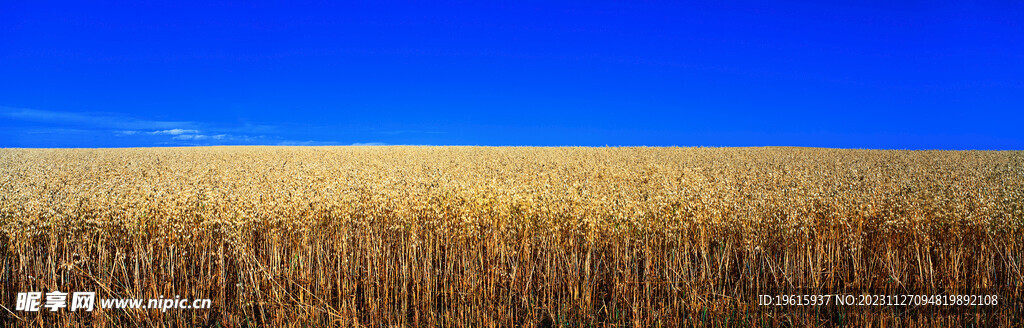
[(489, 237)]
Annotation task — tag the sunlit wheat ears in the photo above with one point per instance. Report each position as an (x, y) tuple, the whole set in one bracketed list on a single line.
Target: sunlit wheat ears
[(473, 236)]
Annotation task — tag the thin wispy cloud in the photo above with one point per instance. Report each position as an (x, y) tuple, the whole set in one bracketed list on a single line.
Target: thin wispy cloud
[(190, 137), (92, 120), (175, 131), (205, 137), (123, 130)]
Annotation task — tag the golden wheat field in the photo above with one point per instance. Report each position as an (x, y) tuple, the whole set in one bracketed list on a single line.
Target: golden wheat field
[(509, 236)]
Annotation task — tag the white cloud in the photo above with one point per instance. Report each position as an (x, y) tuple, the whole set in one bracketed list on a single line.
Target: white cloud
[(135, 130), (190, 137), (92, 120), (175, 131)]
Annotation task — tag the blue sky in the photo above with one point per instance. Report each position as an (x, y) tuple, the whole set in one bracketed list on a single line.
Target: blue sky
[(860, 74)]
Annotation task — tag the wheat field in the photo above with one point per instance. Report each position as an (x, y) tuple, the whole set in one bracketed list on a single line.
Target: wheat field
[(510, 236)]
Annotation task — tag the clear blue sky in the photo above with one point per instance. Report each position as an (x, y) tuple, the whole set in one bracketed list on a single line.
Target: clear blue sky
[(860, 74)]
